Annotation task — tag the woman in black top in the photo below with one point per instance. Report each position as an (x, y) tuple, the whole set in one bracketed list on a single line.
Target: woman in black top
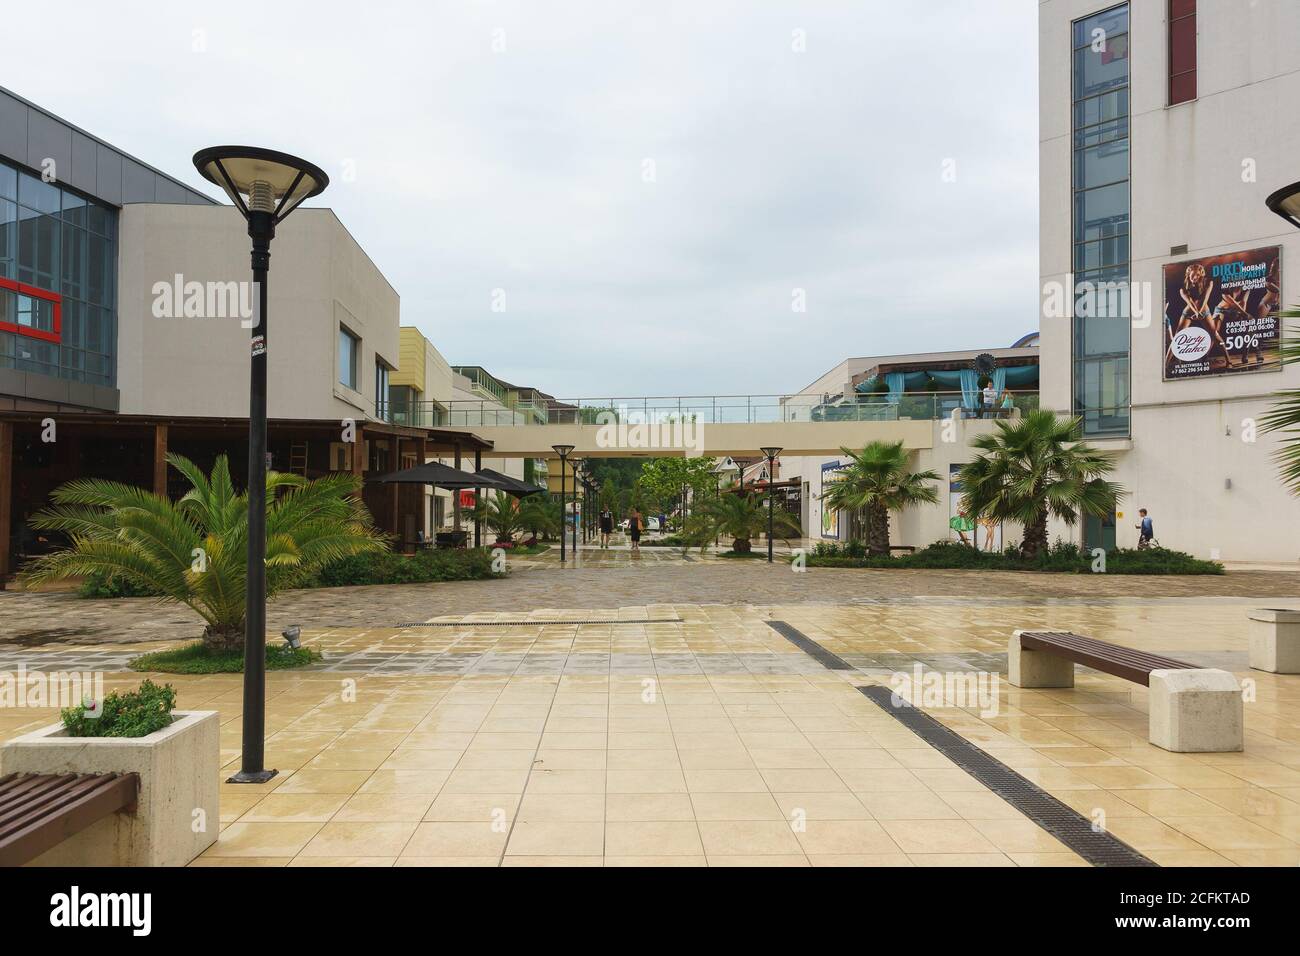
[(606, 527), (634, 529)]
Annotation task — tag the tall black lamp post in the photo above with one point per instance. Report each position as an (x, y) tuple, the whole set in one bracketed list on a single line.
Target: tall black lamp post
[(1286, 203), (563, 451), (265, 187), (771, 451), (577, 477)]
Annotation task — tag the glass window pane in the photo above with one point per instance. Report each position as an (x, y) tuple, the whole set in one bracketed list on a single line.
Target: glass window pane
[(74, 261), (1099, 165), (1101, 133), (1101, 254), (8, 238), (36, 194), (1101, 109), (1099, 213), (1096, 71), (74, 209), (99, 270), (8, 182), (1102, 336), (1110, 22)]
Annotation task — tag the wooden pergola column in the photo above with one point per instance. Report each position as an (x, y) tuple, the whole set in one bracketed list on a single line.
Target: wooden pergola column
[(160, 460)]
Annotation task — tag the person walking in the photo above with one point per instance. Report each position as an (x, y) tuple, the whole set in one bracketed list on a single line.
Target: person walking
[(634, 529), (1146, 530), (606, 527)]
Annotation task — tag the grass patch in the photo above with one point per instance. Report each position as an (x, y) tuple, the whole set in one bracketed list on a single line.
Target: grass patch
[(198, 658), (1062, 557)]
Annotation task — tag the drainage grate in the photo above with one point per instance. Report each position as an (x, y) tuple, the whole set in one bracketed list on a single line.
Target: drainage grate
[(652, 620), (1065, 823), (810, 647)]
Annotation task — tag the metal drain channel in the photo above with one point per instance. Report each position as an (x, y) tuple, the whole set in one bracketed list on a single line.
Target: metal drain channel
[(810, 647), (652, 620), (1063, 822)]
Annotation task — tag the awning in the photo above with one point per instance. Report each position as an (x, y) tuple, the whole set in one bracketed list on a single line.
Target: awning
[(512, 486), (441, 476)]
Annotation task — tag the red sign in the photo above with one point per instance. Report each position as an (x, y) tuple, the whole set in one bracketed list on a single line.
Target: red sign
[(466, 498)]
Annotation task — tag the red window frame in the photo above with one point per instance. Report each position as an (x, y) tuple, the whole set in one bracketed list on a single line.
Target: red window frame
[(1182, 45), (55, 336)]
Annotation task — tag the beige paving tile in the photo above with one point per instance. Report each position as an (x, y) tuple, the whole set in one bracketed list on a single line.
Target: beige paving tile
[(556, 838), (295, 807), (648, 839), (937, 836), (1220, 832), (735, 806), (271, 839), (655, 861), (456, 839), (336, 839), (324, 781), (747, 838), (385, 807), (827, 837), (903, 805), (648, 807), (537, 807)]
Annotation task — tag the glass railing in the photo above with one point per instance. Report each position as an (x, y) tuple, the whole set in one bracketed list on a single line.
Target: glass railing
[(413, 414), (737, 409)]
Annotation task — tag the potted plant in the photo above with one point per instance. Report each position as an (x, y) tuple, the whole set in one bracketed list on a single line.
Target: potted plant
[(175, 753)]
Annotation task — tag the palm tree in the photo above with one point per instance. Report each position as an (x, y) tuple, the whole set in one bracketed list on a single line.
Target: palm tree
[(500, 513), (1285, 416), (194, 551), (876, 483), (1035, 468), (744, 517), (539, 515)]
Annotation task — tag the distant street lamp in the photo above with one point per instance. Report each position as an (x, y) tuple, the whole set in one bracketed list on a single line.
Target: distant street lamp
[(1286, 203), (265, 187), (563, 451), (771, 451)]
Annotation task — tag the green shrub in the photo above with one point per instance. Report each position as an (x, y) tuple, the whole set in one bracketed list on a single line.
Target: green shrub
[(135, 713), (200, 658), (1061, 557), (469, 564), (101, 585)]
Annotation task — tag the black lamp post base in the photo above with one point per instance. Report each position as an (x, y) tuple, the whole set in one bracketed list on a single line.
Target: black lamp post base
[(252, 776)]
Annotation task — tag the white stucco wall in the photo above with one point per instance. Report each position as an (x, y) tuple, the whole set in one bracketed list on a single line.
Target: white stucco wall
[(319, 279)]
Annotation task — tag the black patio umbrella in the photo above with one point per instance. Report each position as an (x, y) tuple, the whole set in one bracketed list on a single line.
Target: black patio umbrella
[(441, 476), (511, 486)]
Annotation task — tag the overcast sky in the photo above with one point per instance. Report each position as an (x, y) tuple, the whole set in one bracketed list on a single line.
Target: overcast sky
[(648, 183)]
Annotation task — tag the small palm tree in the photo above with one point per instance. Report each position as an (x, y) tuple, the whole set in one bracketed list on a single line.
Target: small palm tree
[(1285, 416), (539, 515), (744, 517), (1035, 468), (876, 483), (195, 551), (500, 512)]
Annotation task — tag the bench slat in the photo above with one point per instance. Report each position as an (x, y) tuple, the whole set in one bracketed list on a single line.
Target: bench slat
[(1125, 662), (76, 802)]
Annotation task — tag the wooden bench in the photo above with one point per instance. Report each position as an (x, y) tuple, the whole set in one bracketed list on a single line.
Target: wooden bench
[(40, 810), (1191, 709)]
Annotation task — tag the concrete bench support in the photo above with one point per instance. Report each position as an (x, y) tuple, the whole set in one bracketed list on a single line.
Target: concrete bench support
[(1195, 711), (1275, 640), (1036, 668)]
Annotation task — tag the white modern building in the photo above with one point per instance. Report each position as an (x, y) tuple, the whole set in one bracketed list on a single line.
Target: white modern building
[(1164, 124)]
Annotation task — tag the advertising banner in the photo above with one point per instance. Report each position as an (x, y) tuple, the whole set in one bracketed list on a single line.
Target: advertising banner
[(986, 535), (1217, 314), (832, 471)]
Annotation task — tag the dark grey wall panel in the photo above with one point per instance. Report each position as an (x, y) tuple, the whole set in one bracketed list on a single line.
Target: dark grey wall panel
[(48, 139), (29, 135), (85, 171)]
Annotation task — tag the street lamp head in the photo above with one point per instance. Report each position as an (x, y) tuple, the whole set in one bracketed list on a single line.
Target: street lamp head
[(562, 450), (261, 180), (1286, 203), (770, 451)]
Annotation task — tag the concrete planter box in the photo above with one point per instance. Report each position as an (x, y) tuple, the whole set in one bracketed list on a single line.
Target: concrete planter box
[(178, 768), (1275, 640)]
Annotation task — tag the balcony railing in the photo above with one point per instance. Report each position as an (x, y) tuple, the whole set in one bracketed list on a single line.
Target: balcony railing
[(730, 409), (413, 414)]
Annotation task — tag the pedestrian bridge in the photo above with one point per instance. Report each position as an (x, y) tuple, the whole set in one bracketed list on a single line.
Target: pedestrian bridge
[(717, 425)]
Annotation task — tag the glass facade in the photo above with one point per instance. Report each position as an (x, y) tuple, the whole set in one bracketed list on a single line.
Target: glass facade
[(58, 268), (1100, 188), (349, 355)]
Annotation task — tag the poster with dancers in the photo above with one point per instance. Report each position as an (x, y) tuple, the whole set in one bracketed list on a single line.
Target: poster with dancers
[(1219, 314)]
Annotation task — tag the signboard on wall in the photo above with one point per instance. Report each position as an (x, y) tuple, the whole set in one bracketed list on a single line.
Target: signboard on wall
[(1218, 317), (832, 471)]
